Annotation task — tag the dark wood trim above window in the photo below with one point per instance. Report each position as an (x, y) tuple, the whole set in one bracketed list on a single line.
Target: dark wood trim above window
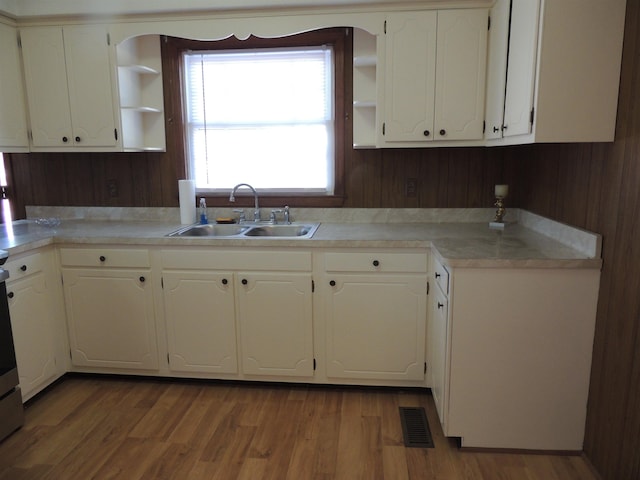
[(341, 39)]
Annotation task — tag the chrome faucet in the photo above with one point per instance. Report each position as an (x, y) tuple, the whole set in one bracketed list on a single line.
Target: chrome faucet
[(256, 209)]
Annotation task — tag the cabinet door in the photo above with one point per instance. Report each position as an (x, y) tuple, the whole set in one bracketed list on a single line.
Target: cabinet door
[(375, 326), (111, 318), (32, 322), (460, 74), (523, 44), (409, 79), (13, 119), (90, 90), (437, 339), (497, 50), (200, 315), (275, 315), (46, 82)]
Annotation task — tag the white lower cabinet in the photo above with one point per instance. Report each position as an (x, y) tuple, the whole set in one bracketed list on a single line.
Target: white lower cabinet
[(375, 315), (37, 321), (199, 311), (511, 356), (110, 308), (244, 312), (437, 349), (276, 327)]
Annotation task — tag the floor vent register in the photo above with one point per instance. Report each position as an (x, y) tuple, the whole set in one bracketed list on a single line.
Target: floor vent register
[(415, 427)]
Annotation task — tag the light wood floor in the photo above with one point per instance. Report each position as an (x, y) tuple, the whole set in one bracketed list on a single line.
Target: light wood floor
[(88, 427)]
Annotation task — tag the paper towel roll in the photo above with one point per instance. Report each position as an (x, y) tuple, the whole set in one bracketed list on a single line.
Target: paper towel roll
[(187, 190)]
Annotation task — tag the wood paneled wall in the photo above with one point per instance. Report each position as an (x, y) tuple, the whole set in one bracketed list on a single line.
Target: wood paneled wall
[(594, 186), (597, 187)]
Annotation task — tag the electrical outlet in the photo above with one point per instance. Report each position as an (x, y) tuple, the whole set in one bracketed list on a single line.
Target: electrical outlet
[(112, 188), (411, 187)]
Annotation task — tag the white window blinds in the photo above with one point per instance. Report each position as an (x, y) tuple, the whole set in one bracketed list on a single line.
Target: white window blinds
[(263, 117)]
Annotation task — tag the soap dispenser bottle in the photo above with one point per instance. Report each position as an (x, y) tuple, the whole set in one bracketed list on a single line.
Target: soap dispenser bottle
[(203, 212)]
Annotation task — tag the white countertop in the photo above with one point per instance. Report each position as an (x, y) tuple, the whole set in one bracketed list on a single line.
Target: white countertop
[(464, 242)]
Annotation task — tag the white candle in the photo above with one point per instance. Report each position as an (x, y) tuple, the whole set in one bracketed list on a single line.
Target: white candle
[(501, 190)]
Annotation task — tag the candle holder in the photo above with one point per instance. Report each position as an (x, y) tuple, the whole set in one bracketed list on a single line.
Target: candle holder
[(500, 193)]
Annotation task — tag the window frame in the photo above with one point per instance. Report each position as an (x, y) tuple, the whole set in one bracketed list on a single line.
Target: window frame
[(341, 41)]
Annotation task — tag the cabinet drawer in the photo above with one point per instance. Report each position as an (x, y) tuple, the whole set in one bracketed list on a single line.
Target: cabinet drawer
[(21, 267), (270, 260), (375, 262), (441, 275), (108, 257)]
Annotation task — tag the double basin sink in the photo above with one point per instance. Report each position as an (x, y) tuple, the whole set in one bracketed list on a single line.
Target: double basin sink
[(294, 230)]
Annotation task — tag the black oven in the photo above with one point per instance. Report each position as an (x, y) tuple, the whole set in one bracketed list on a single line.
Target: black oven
[(11, 410)]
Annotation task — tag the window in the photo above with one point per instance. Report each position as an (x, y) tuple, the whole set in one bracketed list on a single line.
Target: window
[(268, 112), (251, 113)]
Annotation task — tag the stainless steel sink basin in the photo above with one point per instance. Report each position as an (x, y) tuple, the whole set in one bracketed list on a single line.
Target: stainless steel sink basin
[(210, 230), (306, 231), (303, 230)]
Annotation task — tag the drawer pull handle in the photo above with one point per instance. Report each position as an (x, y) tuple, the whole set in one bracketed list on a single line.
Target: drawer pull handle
[(225, 281), (440, 305), (23, 268), (10, 295), (438, 275), (102, 258), (376, 263), (244, 281), (142, 279), (332, 283)]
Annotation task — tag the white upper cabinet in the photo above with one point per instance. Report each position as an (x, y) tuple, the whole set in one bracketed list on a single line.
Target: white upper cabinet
[(563, 70), (69, 88), (434, 81), (460, 74), (13, 117), (410, 77)]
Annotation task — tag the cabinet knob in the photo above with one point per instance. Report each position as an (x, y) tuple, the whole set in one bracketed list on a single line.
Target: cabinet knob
[(244, 281), (376, 263), (65, 139), (102, 258), (332, 283), (440, 305), (77, 139), (225, 281), (426, 133), (142, 279), (23, 268), (443, 132), (438, 275), (10, 295)]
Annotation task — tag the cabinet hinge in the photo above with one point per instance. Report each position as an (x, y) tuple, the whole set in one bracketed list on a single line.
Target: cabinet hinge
[(108, 38), (484, 126), (313, 286), (162, 282), (70, 354), (314, 364), (532, 115), (168, 361), (115, 133), (427, 288), (62, 279), (383, 128), (425, 368), (19, 40), (489, 23), (385, 27)]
